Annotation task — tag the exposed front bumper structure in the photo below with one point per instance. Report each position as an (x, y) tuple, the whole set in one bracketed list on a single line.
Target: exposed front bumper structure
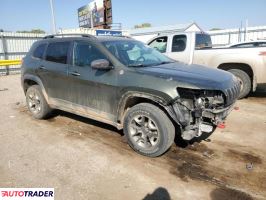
[(194, 123), (201, 111), (218, 115)]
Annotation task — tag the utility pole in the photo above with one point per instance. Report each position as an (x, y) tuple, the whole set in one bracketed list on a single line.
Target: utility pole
[(91, 17), (246, 30), (53, 18), (240, 33)]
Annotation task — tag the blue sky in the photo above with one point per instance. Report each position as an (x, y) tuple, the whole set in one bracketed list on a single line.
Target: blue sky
[(28, 14)]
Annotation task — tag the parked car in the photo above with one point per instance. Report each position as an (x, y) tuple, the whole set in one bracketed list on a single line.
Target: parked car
[(247, 64), (249, 44), (125, 83)]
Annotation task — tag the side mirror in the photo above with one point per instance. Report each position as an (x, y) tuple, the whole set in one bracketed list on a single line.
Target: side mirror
[(101, 64)]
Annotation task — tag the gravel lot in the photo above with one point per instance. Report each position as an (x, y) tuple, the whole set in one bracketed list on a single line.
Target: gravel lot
[(84, 159)]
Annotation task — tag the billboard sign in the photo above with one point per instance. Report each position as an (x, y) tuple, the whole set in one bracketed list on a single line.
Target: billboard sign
[(84, 16), (108, 33), (99, 10)]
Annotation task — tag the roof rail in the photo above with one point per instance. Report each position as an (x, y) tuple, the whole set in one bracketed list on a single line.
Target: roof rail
[(68, 34)]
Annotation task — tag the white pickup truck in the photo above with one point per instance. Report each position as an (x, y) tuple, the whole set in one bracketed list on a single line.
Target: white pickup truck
[(247, 64)]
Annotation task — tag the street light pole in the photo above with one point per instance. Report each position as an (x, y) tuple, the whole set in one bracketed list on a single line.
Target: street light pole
[(91, 16), (53, 18)]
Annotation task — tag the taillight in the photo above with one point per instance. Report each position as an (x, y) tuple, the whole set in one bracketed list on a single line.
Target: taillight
[(262, 53)]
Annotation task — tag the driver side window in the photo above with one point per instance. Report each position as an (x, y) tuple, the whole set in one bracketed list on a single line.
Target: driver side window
[(84, 53), (160, 44)]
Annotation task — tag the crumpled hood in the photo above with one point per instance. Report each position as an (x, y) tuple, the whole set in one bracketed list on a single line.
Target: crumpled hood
[(195, 76)]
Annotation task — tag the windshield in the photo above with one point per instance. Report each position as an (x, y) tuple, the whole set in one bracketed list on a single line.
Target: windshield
[(135, 54)]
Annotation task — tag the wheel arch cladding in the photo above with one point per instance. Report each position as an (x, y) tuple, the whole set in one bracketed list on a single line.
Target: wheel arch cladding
[(132, 98), (29, 80)]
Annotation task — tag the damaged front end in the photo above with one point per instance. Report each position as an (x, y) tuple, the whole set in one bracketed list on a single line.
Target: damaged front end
[(200, 111)]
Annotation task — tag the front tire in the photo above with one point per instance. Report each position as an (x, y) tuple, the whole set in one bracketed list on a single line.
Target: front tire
[(36, 103), (245, 82), (148, 130)]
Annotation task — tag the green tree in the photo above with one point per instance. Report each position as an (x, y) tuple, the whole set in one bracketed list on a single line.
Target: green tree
[(39, 31), (215, 29), (143, 25)]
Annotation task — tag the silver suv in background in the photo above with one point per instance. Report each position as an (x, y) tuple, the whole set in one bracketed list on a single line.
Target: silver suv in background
[(249, 44)]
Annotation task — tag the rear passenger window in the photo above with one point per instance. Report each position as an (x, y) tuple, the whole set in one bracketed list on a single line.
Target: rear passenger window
[(179, 43), (38, 52), (57, 52)]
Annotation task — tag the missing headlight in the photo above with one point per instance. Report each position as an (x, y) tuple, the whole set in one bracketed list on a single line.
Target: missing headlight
[(202, 98)]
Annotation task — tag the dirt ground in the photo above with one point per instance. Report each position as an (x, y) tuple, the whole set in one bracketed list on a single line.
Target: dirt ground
[(85, 159)]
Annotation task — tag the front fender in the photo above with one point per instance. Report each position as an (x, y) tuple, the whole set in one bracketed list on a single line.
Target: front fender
[(162, 100)]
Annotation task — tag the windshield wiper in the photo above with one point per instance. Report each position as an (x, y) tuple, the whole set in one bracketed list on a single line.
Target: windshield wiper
[(152, 64), (137, 65), (165, 62)]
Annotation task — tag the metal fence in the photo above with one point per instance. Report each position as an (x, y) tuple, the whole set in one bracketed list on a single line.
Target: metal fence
[(14, 46), (231, 36)]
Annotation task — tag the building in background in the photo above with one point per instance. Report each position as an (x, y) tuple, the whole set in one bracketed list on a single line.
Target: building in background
[(220, 38), (145, 34)]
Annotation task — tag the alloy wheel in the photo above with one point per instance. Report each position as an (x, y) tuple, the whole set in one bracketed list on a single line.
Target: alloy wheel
[(144, 132)]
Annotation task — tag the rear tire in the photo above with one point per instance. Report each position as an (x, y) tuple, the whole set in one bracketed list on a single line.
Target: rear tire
[(245, 82), (148, 130), (36, 103)]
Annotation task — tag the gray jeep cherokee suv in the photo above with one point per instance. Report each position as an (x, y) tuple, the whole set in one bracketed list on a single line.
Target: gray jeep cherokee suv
[(123, 82)]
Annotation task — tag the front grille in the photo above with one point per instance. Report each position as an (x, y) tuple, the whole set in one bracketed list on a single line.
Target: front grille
[(232, 94)]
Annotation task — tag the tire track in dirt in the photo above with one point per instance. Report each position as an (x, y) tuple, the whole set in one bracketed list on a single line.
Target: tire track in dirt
[(191, 162)]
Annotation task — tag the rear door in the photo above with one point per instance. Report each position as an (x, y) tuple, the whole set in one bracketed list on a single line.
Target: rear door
[(53, 69)]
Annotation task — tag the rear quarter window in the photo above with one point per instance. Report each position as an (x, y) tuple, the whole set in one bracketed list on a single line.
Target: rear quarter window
[(57, 52), (203, 41)]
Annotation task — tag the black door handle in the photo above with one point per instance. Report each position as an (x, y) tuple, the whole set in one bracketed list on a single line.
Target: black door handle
[(75, 73)]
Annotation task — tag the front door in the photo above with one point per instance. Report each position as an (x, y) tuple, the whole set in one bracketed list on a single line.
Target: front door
[(178, 49), (94, 90)]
